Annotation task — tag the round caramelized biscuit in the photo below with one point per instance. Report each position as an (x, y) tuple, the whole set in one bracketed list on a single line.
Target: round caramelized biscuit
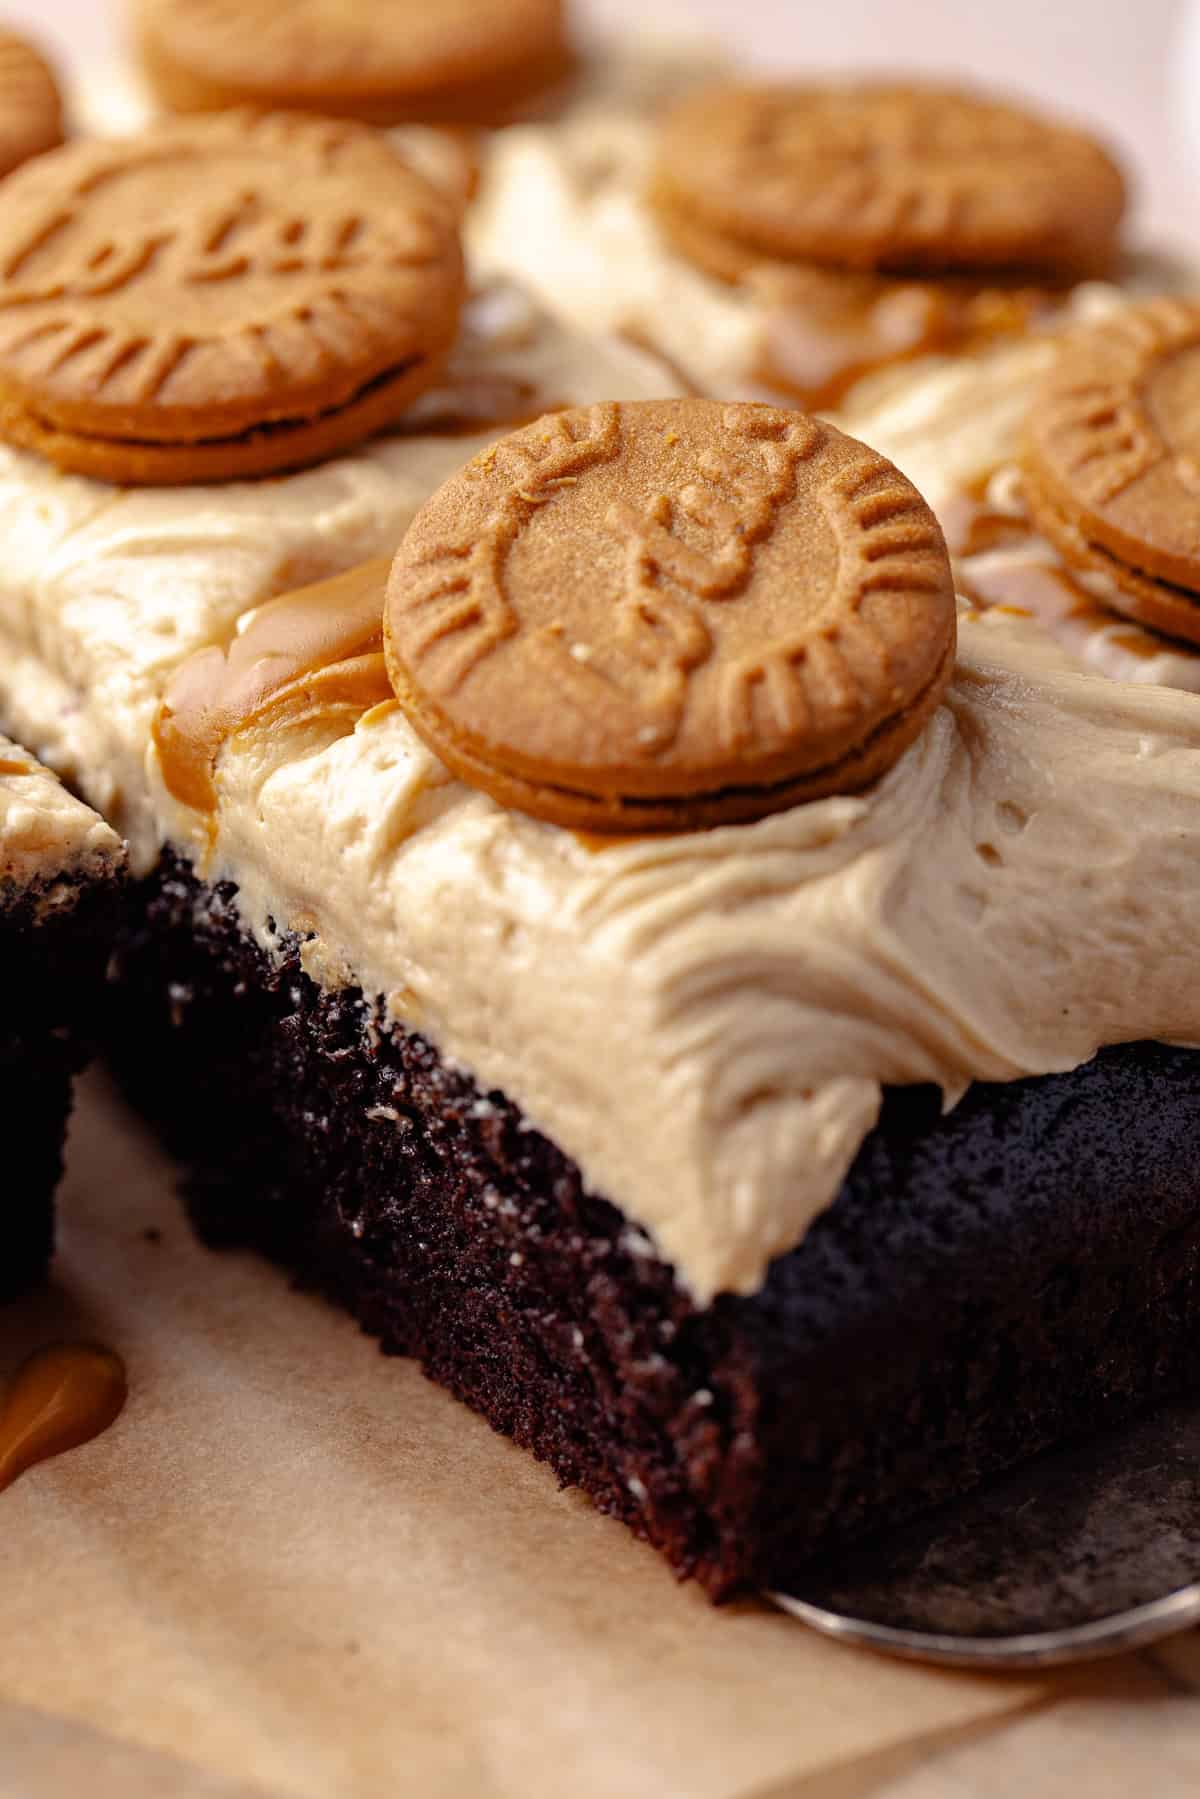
[(1112, 582), (1114, 437), (885, 176), (31, 112), (385, 61), (673, 613), (219, 296)]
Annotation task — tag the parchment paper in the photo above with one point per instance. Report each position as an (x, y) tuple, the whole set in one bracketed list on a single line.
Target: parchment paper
[(295, 1566)]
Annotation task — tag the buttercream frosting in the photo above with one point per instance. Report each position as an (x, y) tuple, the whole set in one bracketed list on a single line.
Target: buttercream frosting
[(1017, 892), (703, 1022), (563, 209), (104, 590), (44, 831)]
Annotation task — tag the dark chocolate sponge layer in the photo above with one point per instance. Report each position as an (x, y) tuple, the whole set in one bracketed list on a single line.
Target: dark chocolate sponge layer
[(54, 944), (986, 1283)]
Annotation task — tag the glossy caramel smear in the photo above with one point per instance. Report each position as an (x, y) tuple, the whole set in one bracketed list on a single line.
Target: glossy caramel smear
[(972, 524), (61, 1397), (827, 329), (317, 650)]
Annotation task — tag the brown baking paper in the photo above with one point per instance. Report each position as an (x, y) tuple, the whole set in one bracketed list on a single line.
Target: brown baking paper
[(294, 1566)]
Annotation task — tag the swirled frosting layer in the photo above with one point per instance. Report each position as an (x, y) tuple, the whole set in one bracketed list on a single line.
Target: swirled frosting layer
[(704, 1022)]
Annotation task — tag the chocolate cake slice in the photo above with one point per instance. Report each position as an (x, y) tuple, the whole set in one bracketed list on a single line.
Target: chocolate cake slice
[(770, 1180), (60, 877), (639, 1143), (985, 1284)]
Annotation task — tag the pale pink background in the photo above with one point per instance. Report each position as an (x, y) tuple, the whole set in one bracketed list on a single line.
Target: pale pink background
[(1112, 60)]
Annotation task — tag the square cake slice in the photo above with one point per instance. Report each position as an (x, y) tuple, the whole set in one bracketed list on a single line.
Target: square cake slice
[(771, 1180), (594, 1128), (60, 877)]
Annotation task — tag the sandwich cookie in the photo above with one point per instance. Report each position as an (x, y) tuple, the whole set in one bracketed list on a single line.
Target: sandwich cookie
[(669, 614), (1112, 462), (385, 61), (882, 176), (220, 297)]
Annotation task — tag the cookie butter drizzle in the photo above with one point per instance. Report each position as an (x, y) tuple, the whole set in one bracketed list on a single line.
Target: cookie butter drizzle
[(822, 333), (59, 1399), (1002, 562), (770, 978), (319, 650)]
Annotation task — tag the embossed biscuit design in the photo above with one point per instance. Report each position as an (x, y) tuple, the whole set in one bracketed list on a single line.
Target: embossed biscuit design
[(385, 61), (1114, 437), (221, 295), (646, 616), (889, 177), (31, 111)]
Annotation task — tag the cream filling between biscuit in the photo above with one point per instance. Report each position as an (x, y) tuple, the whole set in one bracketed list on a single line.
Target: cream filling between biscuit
[(272, 427)]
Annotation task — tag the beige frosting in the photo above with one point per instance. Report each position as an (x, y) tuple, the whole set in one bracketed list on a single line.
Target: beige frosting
[(1016, 893), (703, 1022), (104, 591), (44, 832), (561, 211)]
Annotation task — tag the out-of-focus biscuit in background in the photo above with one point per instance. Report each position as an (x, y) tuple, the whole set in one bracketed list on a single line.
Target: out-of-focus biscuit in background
[(1132, 68)]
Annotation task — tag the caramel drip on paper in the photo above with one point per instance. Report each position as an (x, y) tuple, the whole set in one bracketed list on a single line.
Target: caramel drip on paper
[(310, 653), (60, 1398)]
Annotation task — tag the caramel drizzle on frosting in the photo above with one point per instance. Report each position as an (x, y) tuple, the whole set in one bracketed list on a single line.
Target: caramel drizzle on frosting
[(311, 653), (59, 1399), (823, 332), (9, 767), (1043, 587), (972, 523)]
